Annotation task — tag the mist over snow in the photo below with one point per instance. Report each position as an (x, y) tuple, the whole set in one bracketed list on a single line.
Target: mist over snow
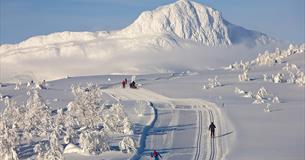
[(195, 58)]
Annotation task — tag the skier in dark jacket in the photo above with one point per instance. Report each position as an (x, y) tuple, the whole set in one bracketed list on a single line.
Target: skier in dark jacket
[(155, 155), (133, 84), (212, 129)]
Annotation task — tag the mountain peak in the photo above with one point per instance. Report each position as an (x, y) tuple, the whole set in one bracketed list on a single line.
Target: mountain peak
[(185, 19), (192, 21)]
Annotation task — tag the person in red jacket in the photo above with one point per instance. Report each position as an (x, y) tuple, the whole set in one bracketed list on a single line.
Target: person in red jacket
[(123, 83), (155, 155)]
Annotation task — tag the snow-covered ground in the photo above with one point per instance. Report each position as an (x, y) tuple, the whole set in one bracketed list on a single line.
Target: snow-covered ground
[(257, 106)]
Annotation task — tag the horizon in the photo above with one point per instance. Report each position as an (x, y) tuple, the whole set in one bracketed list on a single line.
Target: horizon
[(42, 18)]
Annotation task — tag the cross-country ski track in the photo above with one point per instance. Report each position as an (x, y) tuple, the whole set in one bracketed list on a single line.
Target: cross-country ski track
[(180, 126)]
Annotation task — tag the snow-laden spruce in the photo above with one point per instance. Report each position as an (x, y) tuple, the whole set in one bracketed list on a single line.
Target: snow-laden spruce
[(127, 145), (290, 72), (212, 83), (262, 96), (86, 122), (244, 76)]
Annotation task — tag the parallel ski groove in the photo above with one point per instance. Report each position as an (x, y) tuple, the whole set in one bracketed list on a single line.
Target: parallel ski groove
[(199, 136), (213, 149)]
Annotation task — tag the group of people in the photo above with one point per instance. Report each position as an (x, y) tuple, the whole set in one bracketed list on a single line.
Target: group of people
[(131, 84)]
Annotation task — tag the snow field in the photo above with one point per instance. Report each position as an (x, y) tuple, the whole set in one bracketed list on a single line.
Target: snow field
[(168, 141)]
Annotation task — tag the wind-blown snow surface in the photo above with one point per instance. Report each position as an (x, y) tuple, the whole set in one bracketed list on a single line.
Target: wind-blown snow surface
[(245, 130), (183, 24)]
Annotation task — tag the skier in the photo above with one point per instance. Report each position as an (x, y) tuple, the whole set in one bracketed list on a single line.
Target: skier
[(155, 155), (212, 129), (133, 85), (123, 83)]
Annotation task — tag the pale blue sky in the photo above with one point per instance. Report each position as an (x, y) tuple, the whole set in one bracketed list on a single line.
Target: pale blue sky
[(21, 19)]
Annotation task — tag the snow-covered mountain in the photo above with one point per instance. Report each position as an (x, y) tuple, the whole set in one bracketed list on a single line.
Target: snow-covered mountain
[(167, 26), (189, 20), (177, 25)]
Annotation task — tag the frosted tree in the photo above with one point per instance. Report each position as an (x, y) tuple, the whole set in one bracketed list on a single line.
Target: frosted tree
[(267, 108), (71, 136), (239, 91), (295, 74), (291, 77), (127, 145), (8, 142), (93, 142), (115, 120), (41, 85), (276, 100), (127, 126), (244, 77), (40, 149), (59, 122), (18, 85), (29, 84), (212, 83), (87, 103), (55, 151), (13, 114), (266, 77), (240, 66), (300, 80), (278, 78), (262, 93), (9, 138), (261, 96), (38, 120)]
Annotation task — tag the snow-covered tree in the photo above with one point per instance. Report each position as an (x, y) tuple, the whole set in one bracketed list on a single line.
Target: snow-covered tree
[(300, 80), (262, 93), (40, 149), (41, 85), (244, 77), (278, 78), (127, 126), (55, 151), (266, 77), (212, 83), (240, 66), (37, 118), (267, 108), (8, 142), (127, 145), (87, 106), (276, 100), (70, 136), (18, 85), (116, 121), (93, 142)]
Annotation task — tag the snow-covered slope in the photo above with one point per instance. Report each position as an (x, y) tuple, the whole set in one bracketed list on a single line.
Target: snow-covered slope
[(171, 113)]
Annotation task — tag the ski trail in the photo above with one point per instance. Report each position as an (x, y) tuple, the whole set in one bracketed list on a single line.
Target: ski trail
[(199, 136), (204, 146), (212, 141)]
